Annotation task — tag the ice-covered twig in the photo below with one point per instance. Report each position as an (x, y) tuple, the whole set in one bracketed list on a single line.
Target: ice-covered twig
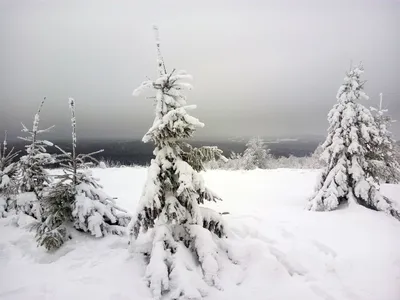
[(160, 61)]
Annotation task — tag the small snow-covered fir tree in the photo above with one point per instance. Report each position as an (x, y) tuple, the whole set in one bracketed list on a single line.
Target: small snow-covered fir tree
[(384, 163), (8, 170), (256, 154), (32, 176), (352, 134), (77, 199), (169, 209)]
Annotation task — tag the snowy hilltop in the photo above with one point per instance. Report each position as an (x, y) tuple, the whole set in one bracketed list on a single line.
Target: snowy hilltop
[(195, 224)]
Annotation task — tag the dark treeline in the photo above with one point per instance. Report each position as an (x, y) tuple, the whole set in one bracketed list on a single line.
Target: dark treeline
[(136, 152)]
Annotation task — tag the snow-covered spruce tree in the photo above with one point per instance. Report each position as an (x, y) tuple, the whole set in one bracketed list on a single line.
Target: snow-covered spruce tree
[(256, 154), (32, 177), (78, 200), (384, 163), (351, 136), (169, 211), (8, 170)]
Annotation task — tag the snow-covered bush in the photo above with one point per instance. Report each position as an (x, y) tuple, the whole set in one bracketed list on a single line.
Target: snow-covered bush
[(234, 162), (78, 199), (384, 163), (109, 163), (32, 178), (290, 162), (8, 170), (314, 161), (169, 209), (256, 154), (352, 133), (237, 162)]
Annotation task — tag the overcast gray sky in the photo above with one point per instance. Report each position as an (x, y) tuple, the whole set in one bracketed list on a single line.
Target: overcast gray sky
[(269, 68)]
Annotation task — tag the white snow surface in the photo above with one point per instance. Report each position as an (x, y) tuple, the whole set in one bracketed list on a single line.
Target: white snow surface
[(283, 251)]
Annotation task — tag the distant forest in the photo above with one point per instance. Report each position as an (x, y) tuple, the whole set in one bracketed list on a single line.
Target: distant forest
[(136, 152)]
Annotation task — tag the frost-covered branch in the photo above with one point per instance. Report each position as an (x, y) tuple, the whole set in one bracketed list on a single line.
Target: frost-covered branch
[(197, 157), (73, 124)]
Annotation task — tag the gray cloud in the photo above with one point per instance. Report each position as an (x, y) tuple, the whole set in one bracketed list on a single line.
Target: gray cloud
[(268, 68)]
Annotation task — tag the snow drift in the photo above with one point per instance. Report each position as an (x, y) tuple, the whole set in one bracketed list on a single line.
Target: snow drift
[(281, 250)]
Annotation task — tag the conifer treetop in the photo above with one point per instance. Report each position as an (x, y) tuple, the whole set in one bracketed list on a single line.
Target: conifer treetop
[(36, 154), (35, 126), (170, 103), (352, 88)]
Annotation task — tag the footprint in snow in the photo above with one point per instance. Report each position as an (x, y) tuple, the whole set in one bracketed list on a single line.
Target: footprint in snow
[(3, 252), (48, 258), (120, 244), (11, 294), (291, 266), (119, 297), (26, 246), (324, 248), (286, 234), (89, 280), (319, 292), (250, 232)]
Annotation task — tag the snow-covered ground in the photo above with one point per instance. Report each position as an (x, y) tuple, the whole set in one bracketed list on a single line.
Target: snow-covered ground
[(284, 252)]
